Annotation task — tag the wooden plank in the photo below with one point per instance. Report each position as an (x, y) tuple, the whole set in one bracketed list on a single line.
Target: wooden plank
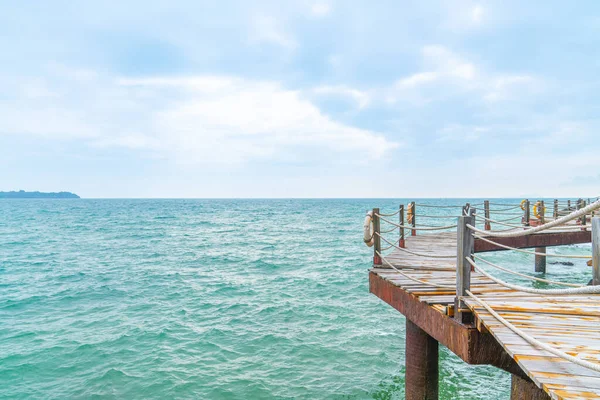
[(569, 323), (540, 307), (466, 342)]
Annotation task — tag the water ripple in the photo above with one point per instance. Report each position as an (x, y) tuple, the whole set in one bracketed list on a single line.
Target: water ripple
[(204, 299)]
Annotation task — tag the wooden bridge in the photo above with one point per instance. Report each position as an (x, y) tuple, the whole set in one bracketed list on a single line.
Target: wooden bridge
[(548, 339)]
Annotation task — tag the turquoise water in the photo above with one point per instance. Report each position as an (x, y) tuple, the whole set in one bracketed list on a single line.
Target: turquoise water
[(216, 299)]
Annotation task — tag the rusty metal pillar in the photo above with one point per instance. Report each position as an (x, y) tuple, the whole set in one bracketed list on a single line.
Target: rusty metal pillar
[(540, 261), (421, 373), (521, 389)]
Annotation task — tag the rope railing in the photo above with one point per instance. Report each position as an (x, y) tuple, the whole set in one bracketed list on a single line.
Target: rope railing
[(503, 214), (414, 252), (506, 209), (505, 204), (417, 228), (503, 230), (535, 253), (533, 341), (558, 292), (513, 226), (386, 248), (493, 221), (533, 278), (390, 230), (436, 216), (519, 217), (559, 221), (410, 277), (390, 215), (445, 206)]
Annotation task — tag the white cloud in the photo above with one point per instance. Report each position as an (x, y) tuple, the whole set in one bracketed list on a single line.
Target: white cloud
[(320, 9), (503, 87), (36, 89), (131, 141), (464, 16), (444, 72), (442, 65), (448, 63), (461, 133), (477, 14), (360, 97), (200, 119), (44, 120), (497, 173), (448, 74), (252, 119), (335, 60), (417, 79), (268, 29), (205, 84)]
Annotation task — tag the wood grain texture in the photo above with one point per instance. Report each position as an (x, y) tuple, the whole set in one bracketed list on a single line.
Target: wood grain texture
[(569, 323)]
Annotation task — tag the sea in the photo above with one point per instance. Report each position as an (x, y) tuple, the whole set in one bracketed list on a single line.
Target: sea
[(213, 299)]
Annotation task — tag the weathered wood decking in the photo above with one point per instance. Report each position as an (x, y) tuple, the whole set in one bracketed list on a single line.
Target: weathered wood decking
[(569, 323)]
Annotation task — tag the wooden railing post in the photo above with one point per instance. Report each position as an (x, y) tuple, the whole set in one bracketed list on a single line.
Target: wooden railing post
[(486, 213), (376, 237), (569, 205), (583, 217), (464, 248), (402, 242), (596, 251), (465, 210), (527, 213), (555, 214), (414, 218)]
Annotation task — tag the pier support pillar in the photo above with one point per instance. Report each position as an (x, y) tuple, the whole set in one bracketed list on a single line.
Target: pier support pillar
[(421, 373), (521, 389), (540, 261)]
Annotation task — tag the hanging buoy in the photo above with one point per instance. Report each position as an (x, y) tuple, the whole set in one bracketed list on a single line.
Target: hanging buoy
[(523, 203), (368, 231), (410, 214)]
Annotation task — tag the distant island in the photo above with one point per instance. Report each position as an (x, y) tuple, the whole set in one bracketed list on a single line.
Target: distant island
[(21, 194)]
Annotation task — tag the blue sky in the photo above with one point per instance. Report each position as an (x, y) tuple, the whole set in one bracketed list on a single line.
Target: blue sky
[(300, 98)]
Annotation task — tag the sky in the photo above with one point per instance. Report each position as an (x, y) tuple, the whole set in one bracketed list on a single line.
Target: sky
[(170, 99)]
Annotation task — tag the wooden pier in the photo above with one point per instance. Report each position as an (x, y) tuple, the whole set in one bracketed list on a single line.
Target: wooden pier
[(548, 341)]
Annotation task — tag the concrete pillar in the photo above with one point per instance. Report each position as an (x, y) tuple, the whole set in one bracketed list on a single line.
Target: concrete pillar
[(421, 373), (521, 389), (540, 261)]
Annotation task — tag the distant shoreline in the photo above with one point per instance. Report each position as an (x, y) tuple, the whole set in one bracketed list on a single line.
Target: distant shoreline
[(21, 194)]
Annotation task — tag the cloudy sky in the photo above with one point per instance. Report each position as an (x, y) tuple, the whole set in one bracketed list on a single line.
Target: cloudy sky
[(300, 98)]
